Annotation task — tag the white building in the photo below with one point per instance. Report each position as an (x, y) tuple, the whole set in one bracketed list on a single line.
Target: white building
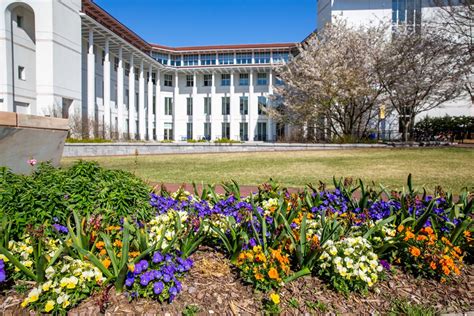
[(70, 58)]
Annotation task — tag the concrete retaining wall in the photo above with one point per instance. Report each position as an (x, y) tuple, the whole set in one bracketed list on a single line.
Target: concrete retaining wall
[(126, 149), (25, 137)]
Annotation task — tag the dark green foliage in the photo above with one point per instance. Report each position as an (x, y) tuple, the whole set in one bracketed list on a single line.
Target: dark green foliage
[(448, 128), (85, 187)]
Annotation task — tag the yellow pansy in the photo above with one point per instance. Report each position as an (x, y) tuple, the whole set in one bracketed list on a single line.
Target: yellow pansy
[(275, 298), (49, 306)]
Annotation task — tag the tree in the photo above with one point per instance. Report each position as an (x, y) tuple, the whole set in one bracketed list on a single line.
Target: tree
[(332, 78), (456, 18), (420, 71)]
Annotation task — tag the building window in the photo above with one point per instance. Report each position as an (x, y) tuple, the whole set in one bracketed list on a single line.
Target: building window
[(243, 79), (189, 106), (208, 59), (244, 131), (136, 73), (116, 63), (189, 80), (168, 131), (21, 73), (190, 60), (136, 101), (207, 106), (127, 69), (207, 80), (262, 105), (161, 58), (207, 131), (262, 58), (168, 80), (168, 106), (226, 130), (225, 105), (261, 131), (225, 80), (154, 105), (406, 12), (244, 58), (281, 57), (244, 105), (19, 21), (278, 81), (127, 99), (153, 77), (226, 59), (189, 130), (176, 61), (262, 79)]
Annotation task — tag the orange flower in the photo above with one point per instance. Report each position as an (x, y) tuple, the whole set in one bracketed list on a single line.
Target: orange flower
[(421, 237), (260, 257), (259, 276), (428, 230), (415, 251), (100, 245), (446, 270), (134, 254), (409, 235), (106, 262), (400, 228), (433, 265), (467, 233), (103, 252), (118, 243), (273, 273)]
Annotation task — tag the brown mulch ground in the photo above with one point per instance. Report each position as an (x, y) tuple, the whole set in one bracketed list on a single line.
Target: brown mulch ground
[(215, 288)]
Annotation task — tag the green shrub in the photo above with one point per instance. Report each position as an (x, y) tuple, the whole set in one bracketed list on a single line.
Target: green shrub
[(227, 141), (51, 193), (86, 140)]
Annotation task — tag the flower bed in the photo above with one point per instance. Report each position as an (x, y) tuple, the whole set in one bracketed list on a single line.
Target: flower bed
[(272, 237)]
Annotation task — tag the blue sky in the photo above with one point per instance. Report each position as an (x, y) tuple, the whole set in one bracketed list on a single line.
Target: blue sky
[(208, 22)]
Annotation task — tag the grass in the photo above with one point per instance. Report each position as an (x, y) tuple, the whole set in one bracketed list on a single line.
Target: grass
[(452, 168)]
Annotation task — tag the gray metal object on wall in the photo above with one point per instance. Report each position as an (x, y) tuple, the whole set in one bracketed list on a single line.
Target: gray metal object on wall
[(28, 137)]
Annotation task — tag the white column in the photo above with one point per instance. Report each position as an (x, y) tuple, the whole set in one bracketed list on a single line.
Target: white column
[(270, 132), (131, 99), (216, 110), (120, 85), (160, 112), (197, 111), (253, 108), (107, 115), (177, 112), (234, 108), (91, 120), (141, 103), (151, 119)]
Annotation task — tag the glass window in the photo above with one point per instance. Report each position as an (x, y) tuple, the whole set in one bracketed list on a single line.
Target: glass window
[(154, 105), (19, 21), (168, 80), (280, 56), (225, 105), (207, 80), (244, 105), (262, 58), (207, 131), (189, 80), (189, 130), (176, 61), (244, 131), (127, 69), (208, 59), (168, 131), (244, 58), (278, 81), (207, 106), (261, 131), (243, 79), (116, 63), (226, 59), (262, 79), (127, 99), (161, 58), (21, 73), (136, 73), (189, 106), (225, 80), (226, 130), (262, 104), (168, 106), (190, 60)]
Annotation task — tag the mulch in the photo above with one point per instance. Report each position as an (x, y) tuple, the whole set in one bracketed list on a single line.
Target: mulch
[(213, 287)]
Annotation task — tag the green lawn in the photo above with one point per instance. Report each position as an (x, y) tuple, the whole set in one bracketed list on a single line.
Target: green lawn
[(452, 168)]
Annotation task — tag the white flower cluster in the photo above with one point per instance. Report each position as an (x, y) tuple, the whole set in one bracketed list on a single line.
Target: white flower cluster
[(165, 225), (269, 205), (65, 278), (352, 259)]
